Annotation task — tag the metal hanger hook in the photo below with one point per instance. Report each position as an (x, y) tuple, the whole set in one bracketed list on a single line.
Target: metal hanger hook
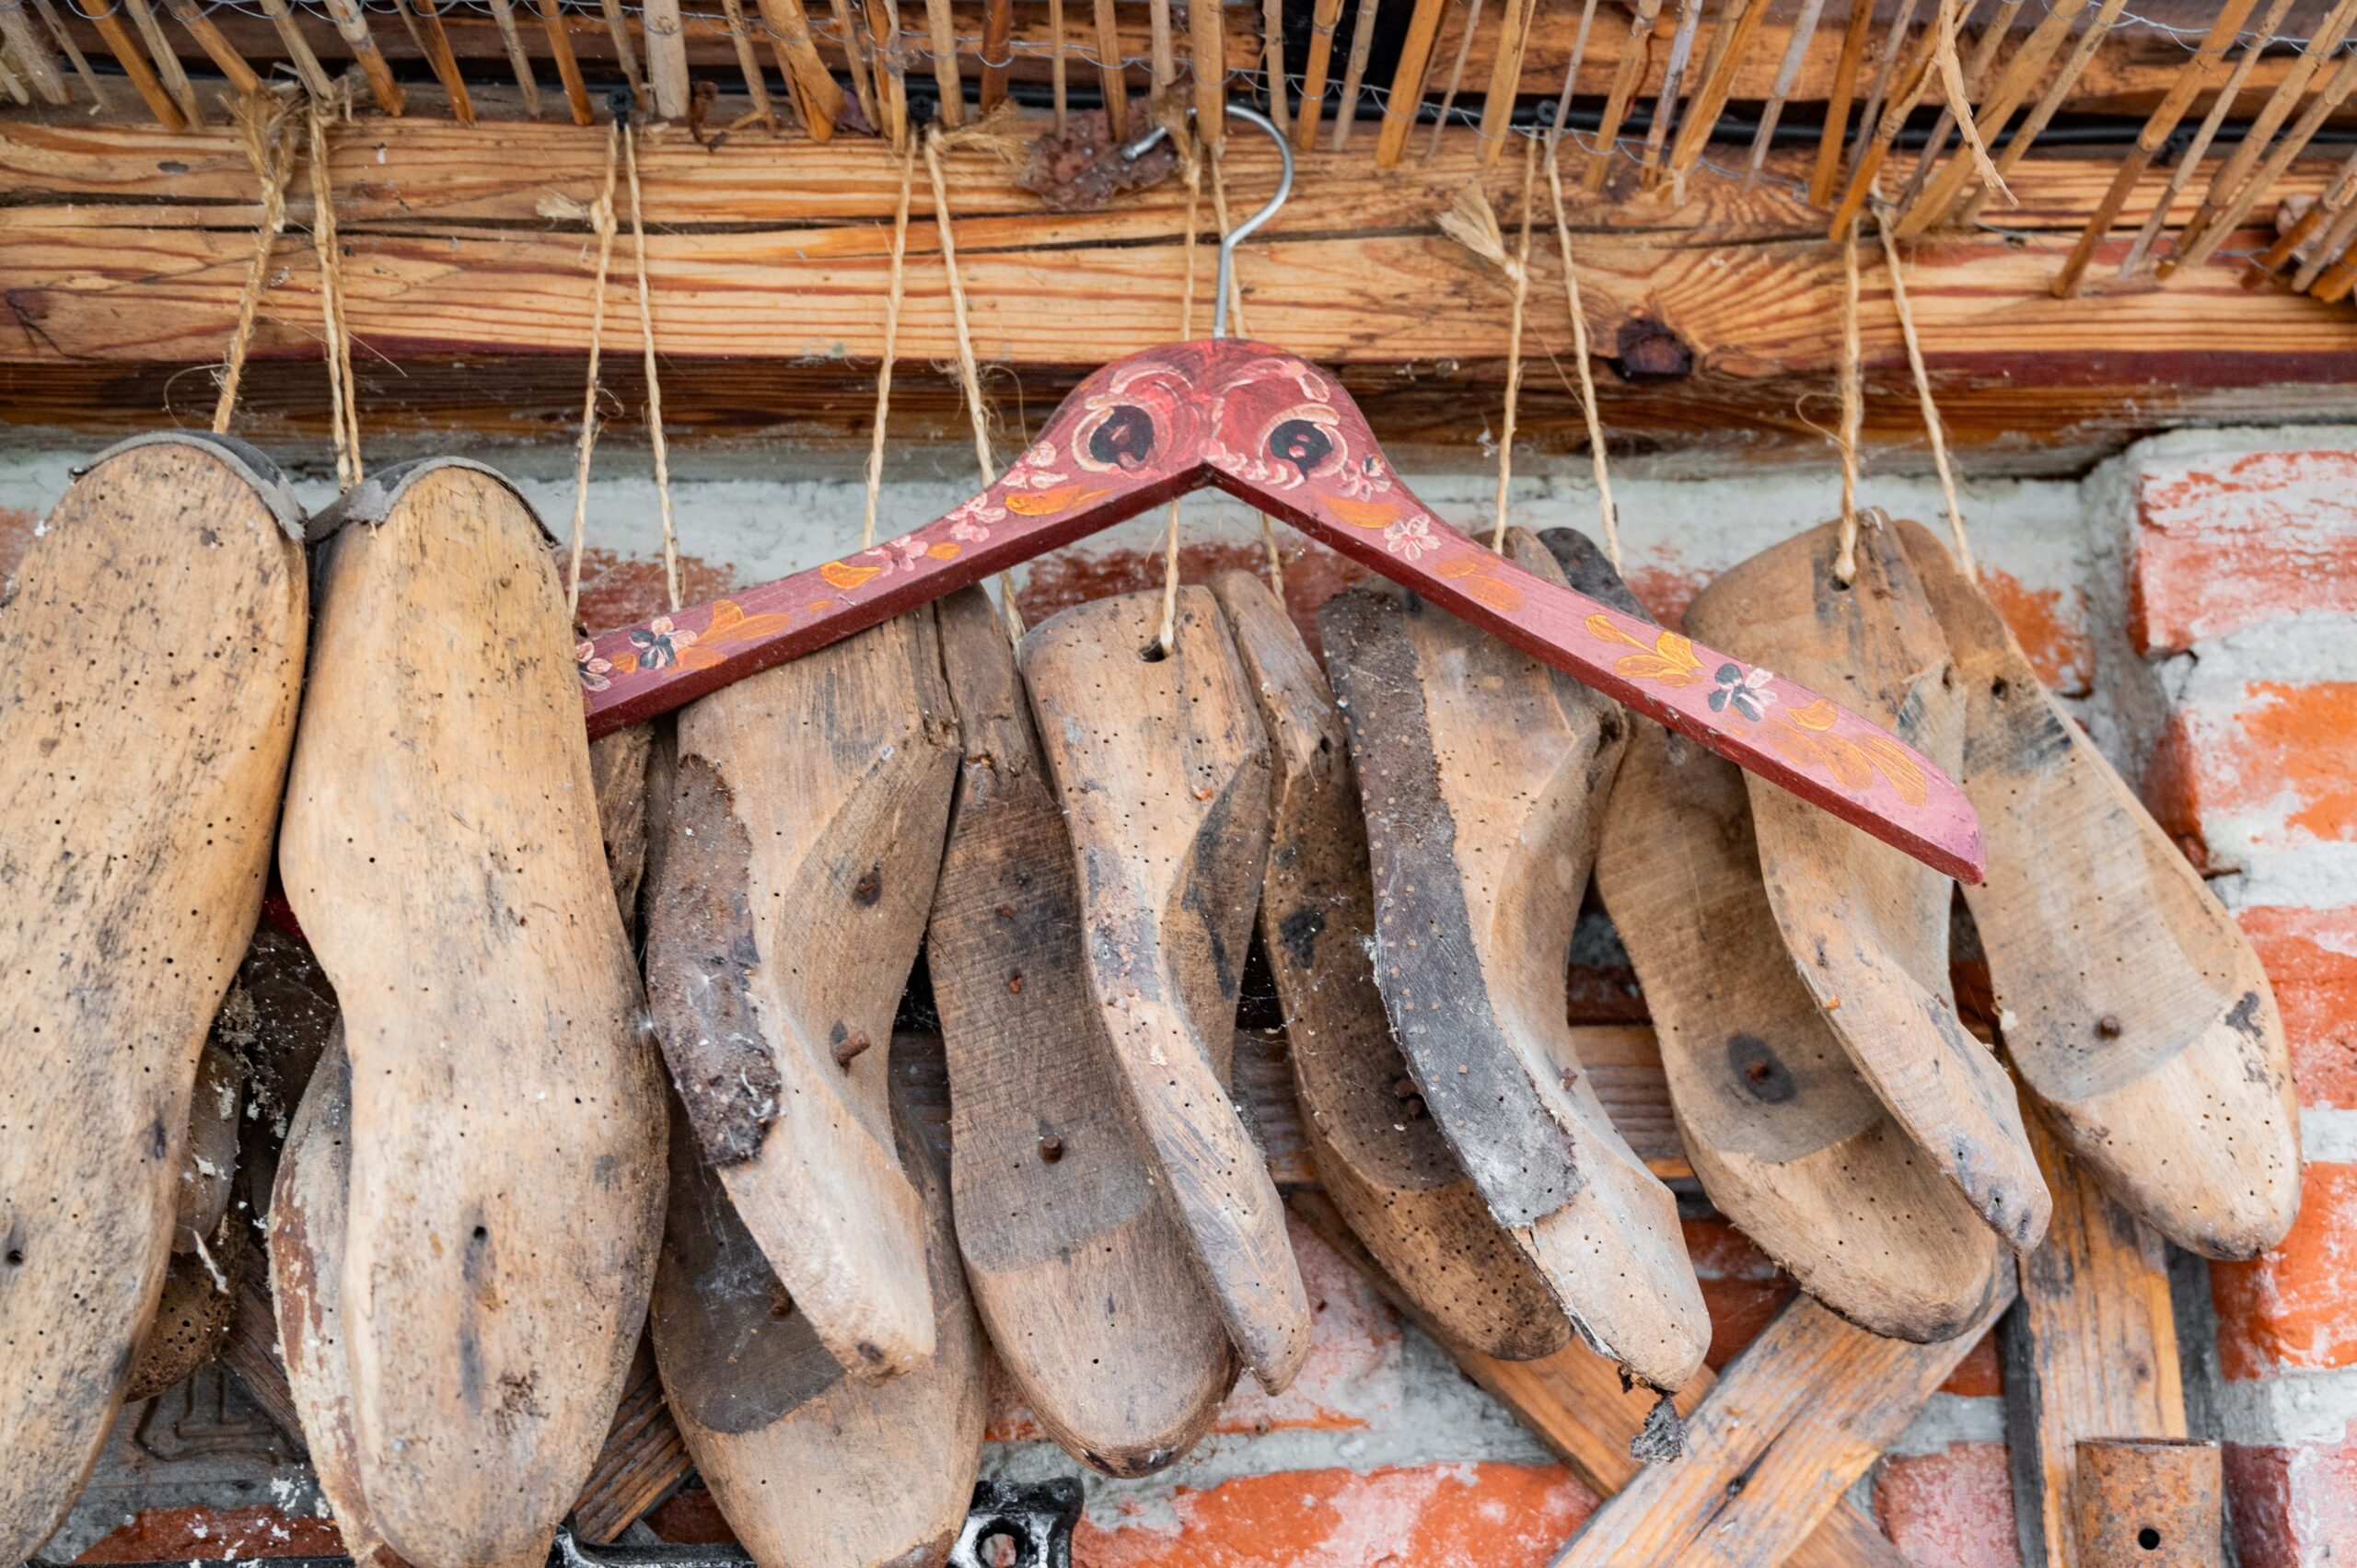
[(1242, 231)]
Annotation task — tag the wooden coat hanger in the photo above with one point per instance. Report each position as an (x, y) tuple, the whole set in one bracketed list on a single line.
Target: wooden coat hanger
[(1275, 431)]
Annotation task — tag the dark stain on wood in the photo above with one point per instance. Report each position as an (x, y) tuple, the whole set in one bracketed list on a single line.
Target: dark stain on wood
[(701, 955)]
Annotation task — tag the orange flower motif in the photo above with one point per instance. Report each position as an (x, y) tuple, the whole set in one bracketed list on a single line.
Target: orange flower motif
[(1668, 660), (1362, 514), (842, 575), (1062, 498)]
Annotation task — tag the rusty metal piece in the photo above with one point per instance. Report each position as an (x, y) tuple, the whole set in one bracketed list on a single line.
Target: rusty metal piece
[(2148, 1503)]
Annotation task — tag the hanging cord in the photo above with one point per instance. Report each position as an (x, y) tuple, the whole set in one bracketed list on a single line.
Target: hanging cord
[(602, 221), (967, 375), (1950, 66), (1167, 638), (1853, 408), (654, 382), (1931, 424), (1236, 312), (1606, 513), (891, 344), (262, 119), (344, 411), (1473, 224)]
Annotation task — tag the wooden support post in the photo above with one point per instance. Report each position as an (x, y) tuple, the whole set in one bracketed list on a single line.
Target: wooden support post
[(1788, 72), (891, 84), (1273, 60), (1162, 49), (998, 31), (568, 68), (353, 24), (64, 40), (1894, 46), (1907, 91), (220, 50), (2202, 243), (1058, 86), (1113, 72), (120, 44), (33, 56), (1831, 145), (445, 63), (667, 56), (1673, 82), (308, 69), (1727, 50), (2013, 84), (748, 63), (815, 96), (2050, 103), (2222, 107), (1576, 1403), (1506, 79), (166, 62), (859, 63), (1624, 87), (625, 52), (1314, 72), (1355, 72), (2091, 1352), (941, 36), (1407, 82), (1806, 1408), (2157, 127), (1207, 57)]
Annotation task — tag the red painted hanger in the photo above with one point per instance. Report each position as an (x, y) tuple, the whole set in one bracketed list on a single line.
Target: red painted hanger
[(1271, 429)]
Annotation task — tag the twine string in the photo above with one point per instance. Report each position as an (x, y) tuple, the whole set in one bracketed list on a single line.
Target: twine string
[(1845, 563), (1519, 274), (654, 381), (262, 122), (891, 344), (1931, 425), (343, 407), (1608, 516), (1236, 314), (1165, 639), (602, 221)]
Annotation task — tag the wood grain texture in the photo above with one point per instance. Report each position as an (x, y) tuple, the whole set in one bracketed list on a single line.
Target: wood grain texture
[(1484, 775), (812, 1468), (2133, 1006), (1868, 929), (1576, 1403), (1800, 1414), (1379, 1152), (1078, 1269), (1785, 1135), (803, 836), (1163, 774), (158, 616), (2090, 1352), (309, 1214), (441, 850)]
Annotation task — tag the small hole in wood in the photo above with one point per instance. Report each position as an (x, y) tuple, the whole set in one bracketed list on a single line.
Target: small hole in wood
[(2149, 1538), (16, 1256), (482, 1235), (1153, 652)]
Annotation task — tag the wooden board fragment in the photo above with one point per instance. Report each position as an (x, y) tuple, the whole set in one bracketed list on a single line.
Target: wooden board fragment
[(1792, 1421), (1868, 929), (1577, 1404), (159, 617), (441, 850), (803, 837), (2133, 1006), (1163, 774), (1378, 1152), (1484, 775), (2091, 1352), (1078, 1269), (1783, 1131), (810, 1466)]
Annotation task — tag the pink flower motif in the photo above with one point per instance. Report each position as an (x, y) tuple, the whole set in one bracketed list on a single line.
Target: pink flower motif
[(1409, 537), (592, 668), (973, 533)]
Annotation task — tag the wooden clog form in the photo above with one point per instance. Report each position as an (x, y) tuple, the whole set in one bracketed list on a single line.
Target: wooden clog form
[(308, 1219), (1484, 776), (150, 664), (2133, 1006), (198, 1300), (1785, 1136), (1379, 1154), (441, 852), (812, 1468), (1163, 773), (1867, 928), (801, 842), (1077, 1268)]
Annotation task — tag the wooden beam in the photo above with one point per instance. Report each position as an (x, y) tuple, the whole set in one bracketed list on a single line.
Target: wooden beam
[(124, 248)]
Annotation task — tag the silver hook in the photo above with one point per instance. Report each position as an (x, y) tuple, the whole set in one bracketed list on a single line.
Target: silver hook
[(1242, 231)]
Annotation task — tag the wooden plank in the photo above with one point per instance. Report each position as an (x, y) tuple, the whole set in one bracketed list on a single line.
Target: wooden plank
[(1575, 1402), (1799, 1415), (2091, 1353)]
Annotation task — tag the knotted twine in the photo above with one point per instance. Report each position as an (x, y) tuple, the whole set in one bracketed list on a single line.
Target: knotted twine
[(264, 122)]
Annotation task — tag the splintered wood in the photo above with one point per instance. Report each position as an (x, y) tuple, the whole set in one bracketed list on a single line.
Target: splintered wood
[(1379, 1154), (804, 834), (1163, 773), (1078, 1266), (1483, 775), (506, 1124), (160, 616)]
